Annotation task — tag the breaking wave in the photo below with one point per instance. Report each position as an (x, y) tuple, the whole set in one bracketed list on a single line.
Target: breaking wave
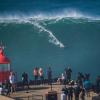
[(36, 20)]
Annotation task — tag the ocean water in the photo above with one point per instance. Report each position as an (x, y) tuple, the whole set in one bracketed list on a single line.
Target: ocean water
[(55, 33)]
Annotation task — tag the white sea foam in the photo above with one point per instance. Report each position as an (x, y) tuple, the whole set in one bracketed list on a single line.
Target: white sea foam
[(52, 38), (64, 14)]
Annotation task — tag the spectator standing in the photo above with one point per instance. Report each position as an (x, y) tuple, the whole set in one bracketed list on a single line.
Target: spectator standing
[(63, 94), (68, 74), (70, 93), (35, 72), (7, 87), (98, 84), (98, 81), (12, 79), (25, 79), (63, 79), (77, 92), (80, 78), (82, 94), (41, 75), (87, 86)]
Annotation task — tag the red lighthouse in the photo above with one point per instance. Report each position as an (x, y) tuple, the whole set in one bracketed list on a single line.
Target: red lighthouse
[(4, 66)]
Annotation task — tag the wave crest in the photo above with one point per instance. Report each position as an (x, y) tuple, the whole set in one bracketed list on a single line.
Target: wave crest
[(63, 14)]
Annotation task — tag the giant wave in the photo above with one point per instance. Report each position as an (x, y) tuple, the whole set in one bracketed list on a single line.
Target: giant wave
[(39, 21)]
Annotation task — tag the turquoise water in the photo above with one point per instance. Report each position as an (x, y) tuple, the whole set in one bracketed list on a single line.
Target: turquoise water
[(52, 34)]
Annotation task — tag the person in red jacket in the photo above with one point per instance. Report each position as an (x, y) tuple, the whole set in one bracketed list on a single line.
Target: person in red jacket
[(35, 72)]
